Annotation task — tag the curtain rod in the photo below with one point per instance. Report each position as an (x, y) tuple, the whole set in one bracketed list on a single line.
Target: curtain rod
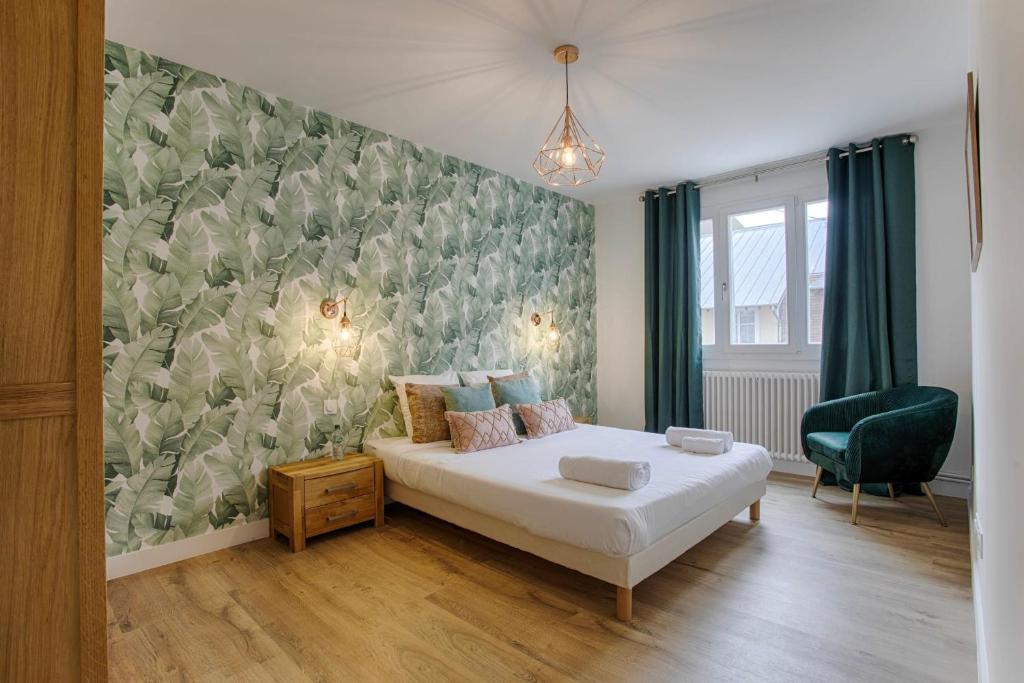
[(785, 165)]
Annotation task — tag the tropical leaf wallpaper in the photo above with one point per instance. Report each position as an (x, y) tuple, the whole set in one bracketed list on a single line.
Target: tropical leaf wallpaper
[(229, 214)]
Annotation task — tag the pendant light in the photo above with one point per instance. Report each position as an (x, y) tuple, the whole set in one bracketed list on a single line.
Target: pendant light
[(569, 155)]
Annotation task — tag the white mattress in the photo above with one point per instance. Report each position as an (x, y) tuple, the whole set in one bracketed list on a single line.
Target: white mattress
[(520, 484)]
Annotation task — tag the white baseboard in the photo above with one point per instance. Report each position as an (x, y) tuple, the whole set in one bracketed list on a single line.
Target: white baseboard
[(132, 563), (944, 484), (979, 616), (950, 484), (148, 558), (803, 468)]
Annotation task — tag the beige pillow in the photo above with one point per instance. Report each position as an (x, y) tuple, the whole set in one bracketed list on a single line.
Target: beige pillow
[(426, 407), (483, 429), (471, 377), (403, 402), (549, 417)]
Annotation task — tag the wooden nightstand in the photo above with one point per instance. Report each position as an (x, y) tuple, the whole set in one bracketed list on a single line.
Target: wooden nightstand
[(316, 496)]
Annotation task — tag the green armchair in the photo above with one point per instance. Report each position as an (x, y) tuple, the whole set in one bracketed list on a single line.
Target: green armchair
[(882, 437)]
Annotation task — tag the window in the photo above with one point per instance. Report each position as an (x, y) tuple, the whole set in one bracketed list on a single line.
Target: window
[(762, 277), (746, 325), (707, 281), (816, 215), (758, 295)]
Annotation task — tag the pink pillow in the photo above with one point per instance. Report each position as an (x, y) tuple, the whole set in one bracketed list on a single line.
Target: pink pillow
[(544, 419), (483, 429)]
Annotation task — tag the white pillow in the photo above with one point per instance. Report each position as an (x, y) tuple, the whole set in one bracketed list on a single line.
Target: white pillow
[(403, 401), (468, 377)]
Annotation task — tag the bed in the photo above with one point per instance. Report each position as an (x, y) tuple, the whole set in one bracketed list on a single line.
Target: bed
[(515, 495)]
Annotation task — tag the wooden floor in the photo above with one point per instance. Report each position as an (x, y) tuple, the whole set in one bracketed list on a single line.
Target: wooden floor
[(800, 596)]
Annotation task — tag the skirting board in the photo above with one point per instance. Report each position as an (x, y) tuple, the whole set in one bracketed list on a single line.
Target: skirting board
[(157, 556), (945, 484), (976, 588), (140, 561)]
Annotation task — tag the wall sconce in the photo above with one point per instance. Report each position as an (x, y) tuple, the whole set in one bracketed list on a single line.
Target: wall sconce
[(553, 338), (347, 339)]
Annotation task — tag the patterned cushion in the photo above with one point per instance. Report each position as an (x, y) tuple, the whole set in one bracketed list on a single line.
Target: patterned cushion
[(426, 406), (403, 401), (549, 417), (481, 430)]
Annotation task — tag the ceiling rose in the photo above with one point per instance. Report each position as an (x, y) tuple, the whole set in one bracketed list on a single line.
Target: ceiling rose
[(569, 156)]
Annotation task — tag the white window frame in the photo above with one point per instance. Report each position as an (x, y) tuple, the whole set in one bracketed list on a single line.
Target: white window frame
[(807, 301), (798, 353)]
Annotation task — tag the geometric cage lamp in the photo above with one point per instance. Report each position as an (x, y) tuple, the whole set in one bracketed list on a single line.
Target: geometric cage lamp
[(553, 338), (346, 341)]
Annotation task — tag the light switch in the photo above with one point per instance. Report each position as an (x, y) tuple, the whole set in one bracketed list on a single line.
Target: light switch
[(331, 407)]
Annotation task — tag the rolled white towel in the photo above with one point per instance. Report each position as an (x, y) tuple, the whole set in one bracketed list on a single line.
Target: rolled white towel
[(674, 435), (703, 445), (618, 474)]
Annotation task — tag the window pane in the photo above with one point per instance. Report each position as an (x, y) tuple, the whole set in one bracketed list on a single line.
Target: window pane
[(746, 325), (817, 230), (707, 281), (757, 248)]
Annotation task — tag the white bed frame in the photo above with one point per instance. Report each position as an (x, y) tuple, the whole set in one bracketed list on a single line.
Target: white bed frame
[(624, 571)]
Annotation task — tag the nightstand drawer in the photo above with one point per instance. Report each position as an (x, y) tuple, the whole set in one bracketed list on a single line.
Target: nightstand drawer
[(335, 487), (340, 514)]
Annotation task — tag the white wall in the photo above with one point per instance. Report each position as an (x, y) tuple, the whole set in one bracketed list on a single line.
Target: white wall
[(997, 36), (944, 281), (620, 311), (943, 284)]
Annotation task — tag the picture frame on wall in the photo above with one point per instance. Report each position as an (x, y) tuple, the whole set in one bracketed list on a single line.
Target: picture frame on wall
[(973, 167)]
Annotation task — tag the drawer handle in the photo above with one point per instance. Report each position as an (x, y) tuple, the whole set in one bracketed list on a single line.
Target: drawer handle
[(340, 487), (335, 518)]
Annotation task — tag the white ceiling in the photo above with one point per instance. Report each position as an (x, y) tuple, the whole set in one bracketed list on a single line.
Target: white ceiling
[(672, 89)]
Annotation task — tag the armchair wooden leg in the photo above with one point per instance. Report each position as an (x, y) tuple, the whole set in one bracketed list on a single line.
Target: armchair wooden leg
[(935, 506), (856, 497), (755, 510), (817, 481), (623, 603), (892, 491)]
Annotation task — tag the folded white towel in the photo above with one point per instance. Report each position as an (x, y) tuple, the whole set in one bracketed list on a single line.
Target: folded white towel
[(674, 435), (617, 474), (700, 444)]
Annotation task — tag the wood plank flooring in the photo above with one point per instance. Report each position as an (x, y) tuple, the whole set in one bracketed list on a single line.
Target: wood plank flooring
[(801, 595)]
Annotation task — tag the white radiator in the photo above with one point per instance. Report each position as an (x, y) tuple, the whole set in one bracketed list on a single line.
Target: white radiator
[(761, 407)]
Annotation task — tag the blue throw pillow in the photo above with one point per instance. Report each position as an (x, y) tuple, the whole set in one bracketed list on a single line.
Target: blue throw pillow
[(469, 399), (516, 392)]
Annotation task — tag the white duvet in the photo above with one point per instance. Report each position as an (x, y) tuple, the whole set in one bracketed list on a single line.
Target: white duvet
[(520, 484)]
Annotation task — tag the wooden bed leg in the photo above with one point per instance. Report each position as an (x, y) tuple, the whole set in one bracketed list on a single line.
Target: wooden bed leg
[(755, 510), (623, 603)]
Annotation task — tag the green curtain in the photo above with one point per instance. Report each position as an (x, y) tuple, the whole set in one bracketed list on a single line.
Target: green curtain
[(673, 391), (869, 336)]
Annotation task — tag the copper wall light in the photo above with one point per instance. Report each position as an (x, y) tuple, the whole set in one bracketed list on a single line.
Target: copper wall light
[(347, 339), (553, 338)]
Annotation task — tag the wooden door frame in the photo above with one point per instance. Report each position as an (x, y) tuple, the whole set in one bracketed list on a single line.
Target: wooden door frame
[(92, 576)]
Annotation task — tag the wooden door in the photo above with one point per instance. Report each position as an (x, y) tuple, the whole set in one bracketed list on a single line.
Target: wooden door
[(52, 579)]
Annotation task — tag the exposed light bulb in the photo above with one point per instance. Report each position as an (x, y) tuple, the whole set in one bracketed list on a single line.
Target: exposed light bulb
[(553, 333), (568, 156), (345, 330)]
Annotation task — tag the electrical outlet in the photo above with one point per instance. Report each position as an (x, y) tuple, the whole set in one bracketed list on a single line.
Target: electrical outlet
[(331, 407), (979, 537)]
